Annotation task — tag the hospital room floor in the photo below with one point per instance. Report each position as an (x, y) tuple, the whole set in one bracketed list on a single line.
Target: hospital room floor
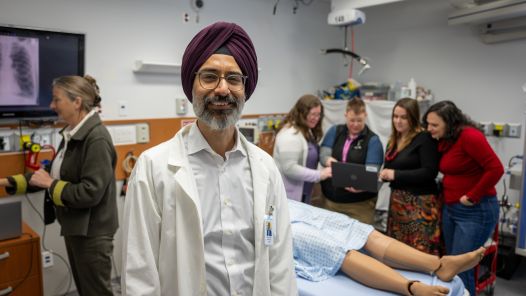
[(516, 285)]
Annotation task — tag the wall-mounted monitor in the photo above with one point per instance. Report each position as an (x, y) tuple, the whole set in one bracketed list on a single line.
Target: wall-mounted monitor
[(29, 61)]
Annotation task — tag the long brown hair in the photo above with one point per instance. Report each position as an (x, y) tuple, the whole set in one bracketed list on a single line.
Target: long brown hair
[(413, 116), (454, 118), (297, 117)]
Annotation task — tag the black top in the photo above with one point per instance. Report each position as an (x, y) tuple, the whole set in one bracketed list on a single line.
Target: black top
[(416, 166)]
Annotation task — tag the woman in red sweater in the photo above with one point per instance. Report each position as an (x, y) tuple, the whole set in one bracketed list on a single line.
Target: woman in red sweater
[(471, 169)]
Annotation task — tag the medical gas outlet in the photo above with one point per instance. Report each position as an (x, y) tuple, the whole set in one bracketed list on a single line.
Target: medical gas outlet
[(508, 130), (6, 141)]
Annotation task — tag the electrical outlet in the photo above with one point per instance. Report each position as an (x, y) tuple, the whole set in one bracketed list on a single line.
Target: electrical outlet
[(43, 136), (514, 130), (42, 139), (181, 106), (123, 108), (47, 259), (46, 140), (143, 133)]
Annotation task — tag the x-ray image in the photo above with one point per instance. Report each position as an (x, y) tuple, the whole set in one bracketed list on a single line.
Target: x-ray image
[(18, 71)]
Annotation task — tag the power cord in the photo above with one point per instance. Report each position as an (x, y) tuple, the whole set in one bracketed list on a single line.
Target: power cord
[(20, 140), (44, 247), (197, 5), (295, 5)]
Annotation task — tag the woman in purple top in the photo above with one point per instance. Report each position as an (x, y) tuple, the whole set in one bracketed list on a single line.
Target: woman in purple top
[(296, 151)]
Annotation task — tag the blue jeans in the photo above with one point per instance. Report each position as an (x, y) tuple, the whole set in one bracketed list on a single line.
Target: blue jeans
[(466, 228)]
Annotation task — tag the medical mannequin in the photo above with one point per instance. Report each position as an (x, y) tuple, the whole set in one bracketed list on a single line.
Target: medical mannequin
[(325, 242)]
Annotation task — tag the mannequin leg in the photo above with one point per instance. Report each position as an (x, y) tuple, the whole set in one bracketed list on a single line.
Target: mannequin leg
[(375, 274), (400, 255)]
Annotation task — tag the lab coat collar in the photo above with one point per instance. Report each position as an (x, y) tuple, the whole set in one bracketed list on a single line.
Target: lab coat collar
[(260, 178)]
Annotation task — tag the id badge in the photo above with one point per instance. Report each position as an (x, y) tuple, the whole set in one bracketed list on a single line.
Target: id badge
[(268, 221)]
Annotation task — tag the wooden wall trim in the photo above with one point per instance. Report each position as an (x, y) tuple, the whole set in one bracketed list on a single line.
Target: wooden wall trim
[(161, 130)]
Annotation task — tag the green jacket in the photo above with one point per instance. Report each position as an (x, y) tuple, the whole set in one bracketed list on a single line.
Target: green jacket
[(85, 196)]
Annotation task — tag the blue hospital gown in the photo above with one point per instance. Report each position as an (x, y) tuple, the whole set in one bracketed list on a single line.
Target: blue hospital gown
[(322, 238)]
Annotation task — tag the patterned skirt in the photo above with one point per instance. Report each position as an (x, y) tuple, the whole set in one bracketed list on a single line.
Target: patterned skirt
[(415, 220)]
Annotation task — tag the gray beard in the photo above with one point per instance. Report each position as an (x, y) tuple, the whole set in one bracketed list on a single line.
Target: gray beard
[(218, 119)]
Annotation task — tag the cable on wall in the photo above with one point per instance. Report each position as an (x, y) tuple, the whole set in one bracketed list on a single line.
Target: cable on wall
[(196, 5)]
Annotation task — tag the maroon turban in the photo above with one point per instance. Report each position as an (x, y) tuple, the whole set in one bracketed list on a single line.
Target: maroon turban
[(211, 38)]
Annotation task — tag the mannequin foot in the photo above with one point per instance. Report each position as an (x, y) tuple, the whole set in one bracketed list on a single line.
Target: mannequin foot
[(454, 264), (420, 289)]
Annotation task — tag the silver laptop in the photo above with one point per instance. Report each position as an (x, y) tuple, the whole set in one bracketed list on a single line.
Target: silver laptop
[(10, 217), (358, 176)]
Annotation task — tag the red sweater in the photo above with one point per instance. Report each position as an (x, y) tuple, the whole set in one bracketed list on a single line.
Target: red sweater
[(470, 167)]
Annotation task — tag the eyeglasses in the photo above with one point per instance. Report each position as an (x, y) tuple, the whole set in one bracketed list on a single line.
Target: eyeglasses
[(210, 80), (314, 115)]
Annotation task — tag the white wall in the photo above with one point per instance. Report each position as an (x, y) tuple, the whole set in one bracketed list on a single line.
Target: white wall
[(412, 39), (118, 32)]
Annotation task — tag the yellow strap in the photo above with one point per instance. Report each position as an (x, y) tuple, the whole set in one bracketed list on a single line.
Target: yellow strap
[(21, 184), (57, 192)]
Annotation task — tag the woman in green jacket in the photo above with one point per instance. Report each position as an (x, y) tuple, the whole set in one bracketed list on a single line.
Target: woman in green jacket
[(80, 184)]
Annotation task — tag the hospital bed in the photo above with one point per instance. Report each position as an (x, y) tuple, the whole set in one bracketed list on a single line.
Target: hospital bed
[(341, 285)]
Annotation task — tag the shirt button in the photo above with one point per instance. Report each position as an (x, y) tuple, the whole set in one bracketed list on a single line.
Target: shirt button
[(227, 202), (230, 262), (228, 232)]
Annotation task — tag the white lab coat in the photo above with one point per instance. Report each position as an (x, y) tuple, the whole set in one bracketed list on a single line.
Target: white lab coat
[(163, 251)]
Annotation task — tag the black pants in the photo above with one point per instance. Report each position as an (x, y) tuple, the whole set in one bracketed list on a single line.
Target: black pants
[(90, 260)]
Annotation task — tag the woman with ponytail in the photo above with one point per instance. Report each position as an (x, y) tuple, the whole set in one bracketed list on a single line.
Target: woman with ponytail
[(80, 184)]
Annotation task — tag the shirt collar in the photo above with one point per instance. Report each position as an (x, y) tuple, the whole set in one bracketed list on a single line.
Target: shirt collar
[(197, 142), (359, 135), (70, 132)]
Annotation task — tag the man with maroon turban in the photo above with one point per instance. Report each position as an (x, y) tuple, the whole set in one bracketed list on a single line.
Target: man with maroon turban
[(206, 212)]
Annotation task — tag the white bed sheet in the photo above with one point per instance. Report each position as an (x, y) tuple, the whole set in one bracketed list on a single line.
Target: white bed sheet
[(341, 285)]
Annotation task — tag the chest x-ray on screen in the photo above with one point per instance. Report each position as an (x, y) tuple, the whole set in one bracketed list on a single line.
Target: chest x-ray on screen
[(18, 71)]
